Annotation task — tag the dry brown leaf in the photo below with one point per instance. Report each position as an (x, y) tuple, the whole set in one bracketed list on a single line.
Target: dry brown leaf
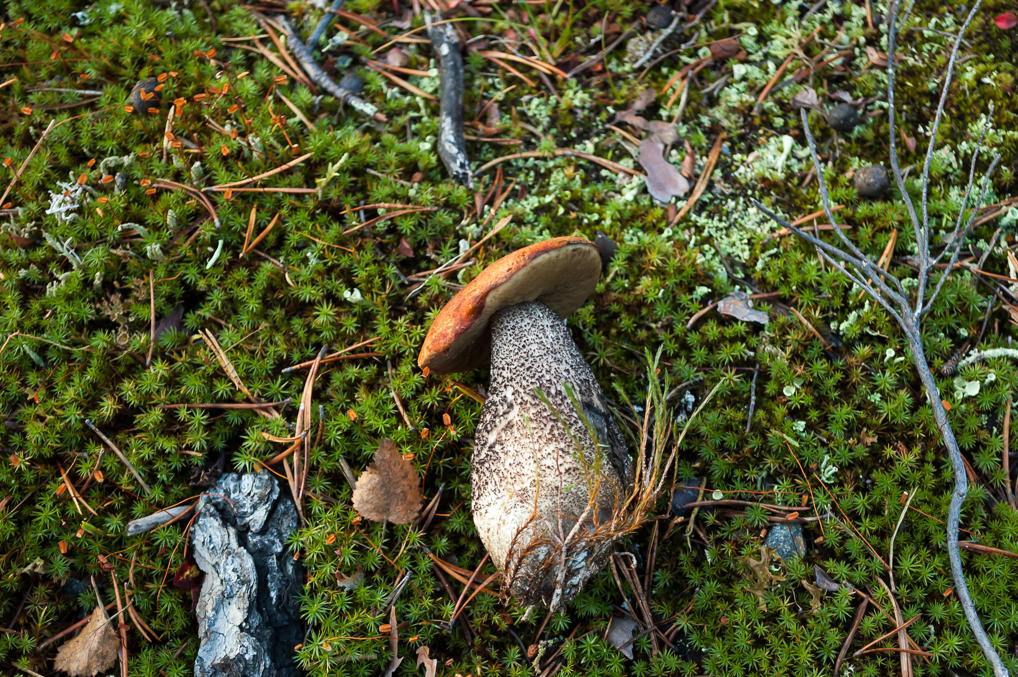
[(725, 48), (430, 664), (688, 169), (806, 98), (389, 490), (644, 99), (663, 180), (396, 57), (92, 650)]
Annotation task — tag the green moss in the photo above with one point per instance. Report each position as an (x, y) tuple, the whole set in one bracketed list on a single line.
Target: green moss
[(75, 308)]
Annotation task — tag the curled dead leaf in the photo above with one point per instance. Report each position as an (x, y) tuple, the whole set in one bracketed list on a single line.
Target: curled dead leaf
[(92, 650), (389, 490), (430, 664)]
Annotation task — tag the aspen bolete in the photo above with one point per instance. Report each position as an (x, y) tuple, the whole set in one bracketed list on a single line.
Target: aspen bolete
[(550, 469)]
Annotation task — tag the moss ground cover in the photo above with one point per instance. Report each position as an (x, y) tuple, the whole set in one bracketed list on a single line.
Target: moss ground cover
[(102, 250)]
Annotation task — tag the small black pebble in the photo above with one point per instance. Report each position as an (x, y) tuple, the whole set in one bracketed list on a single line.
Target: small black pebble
[(607, 247), (145, 97), (871, 182), (687, 492), (352, 82), (659, 17), (843, 117)]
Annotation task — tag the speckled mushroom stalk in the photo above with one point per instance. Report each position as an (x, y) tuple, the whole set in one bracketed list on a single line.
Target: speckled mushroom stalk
[(544, 511), (550, 470)]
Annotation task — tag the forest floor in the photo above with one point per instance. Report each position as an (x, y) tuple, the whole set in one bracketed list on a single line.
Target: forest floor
[(192, 253)]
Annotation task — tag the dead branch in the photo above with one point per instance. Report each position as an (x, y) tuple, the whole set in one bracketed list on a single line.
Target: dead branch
[(452, 148), (321, 78), (885, 288)]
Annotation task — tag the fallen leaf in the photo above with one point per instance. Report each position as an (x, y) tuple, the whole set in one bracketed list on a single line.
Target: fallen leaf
[(665, 132), (725, 49), (396, 57), (632, 118), (92, 650), (663, 180), (430, 664), (404, 248), (825, 582), (352, 581), (1006, 21), (875, 56), (389, 490), (688, 169), (806, 98), (909, 141), (740, 306), (643, 99), (620, 634)]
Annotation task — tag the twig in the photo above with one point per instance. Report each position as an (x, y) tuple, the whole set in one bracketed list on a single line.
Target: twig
[(321, 78), (28, 158), (661, 38), (990, 354), (120, 455), (752, 398), (887, 290), (860, 612), (905, 657), (452, 148), (316, 34)]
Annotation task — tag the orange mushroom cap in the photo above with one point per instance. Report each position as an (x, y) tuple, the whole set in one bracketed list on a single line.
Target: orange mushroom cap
[(561, 273)]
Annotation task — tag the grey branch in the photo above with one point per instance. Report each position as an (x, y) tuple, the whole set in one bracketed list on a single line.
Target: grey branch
[(452, 148), (321, 78), (887, 290)]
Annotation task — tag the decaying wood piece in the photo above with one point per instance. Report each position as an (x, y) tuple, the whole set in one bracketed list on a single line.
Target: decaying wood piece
[(157, 519), (452, 148), (320, 77)]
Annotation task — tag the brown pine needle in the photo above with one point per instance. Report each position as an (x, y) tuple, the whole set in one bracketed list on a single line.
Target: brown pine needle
[(333, 356), (261, 235), (560, 152), (701, 184), (250, 227), (231, 372), (416, 91), (264, 175)]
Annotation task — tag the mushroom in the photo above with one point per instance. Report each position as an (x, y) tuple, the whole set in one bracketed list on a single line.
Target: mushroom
[(550, 470)]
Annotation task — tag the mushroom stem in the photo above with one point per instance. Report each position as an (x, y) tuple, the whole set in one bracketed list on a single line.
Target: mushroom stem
[(550, 466)]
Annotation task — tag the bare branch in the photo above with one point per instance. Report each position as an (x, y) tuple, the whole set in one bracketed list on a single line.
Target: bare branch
[(873, 271), (899, 180), (832, 254), (960, 238), (925, 182)]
